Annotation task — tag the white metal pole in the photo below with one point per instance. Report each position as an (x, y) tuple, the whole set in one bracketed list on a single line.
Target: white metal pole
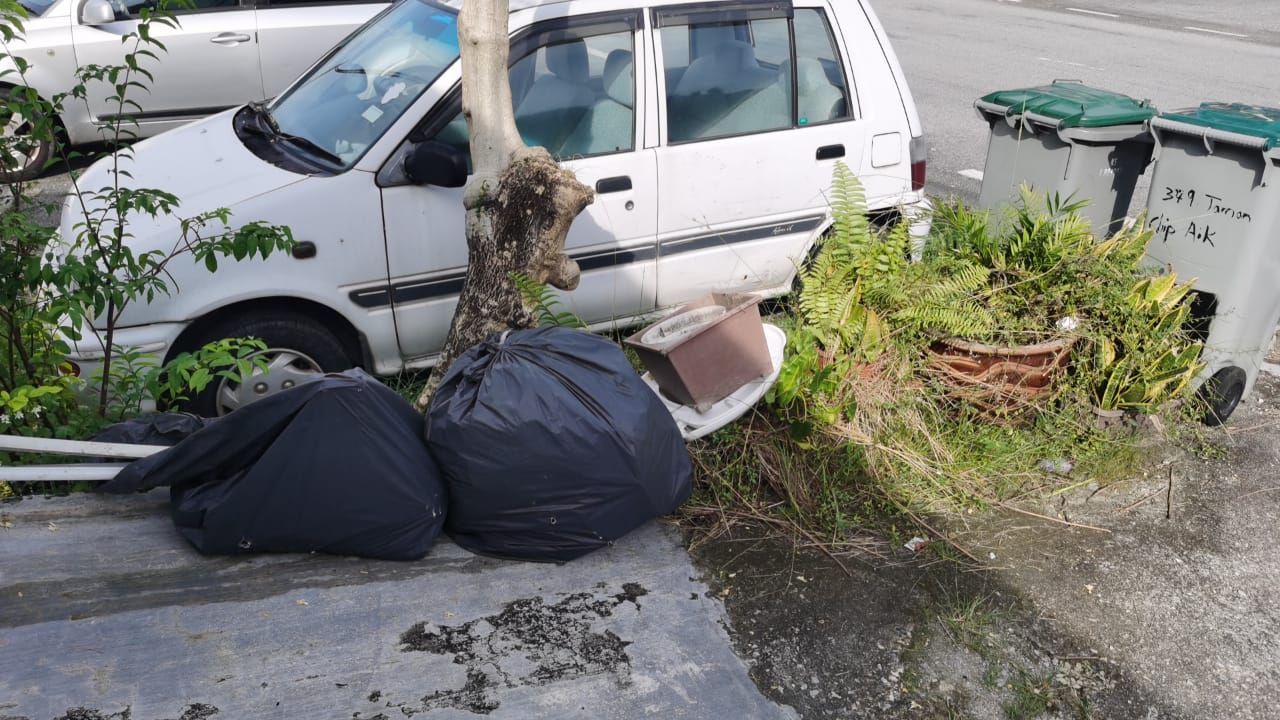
[(74, 472), (128, 451)]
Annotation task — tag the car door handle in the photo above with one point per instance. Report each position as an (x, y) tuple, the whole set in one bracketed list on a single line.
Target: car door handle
[(613, 184), (229, 38), (829, 152)]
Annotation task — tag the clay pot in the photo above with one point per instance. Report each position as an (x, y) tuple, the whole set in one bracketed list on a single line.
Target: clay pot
[(1002, 381)]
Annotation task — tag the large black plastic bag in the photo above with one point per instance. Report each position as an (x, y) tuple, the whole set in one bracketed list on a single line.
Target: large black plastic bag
[(552, 446), (163, 428), (334, 465)]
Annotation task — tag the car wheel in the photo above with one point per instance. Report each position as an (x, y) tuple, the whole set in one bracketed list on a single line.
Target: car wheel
[(299, 349), (22, 157), (1222, 393)]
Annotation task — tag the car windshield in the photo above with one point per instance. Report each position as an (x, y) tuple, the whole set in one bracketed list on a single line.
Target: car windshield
[(340, 108), (36, 7)]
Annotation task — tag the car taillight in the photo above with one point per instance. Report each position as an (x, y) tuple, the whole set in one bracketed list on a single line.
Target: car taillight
[(919, 162), (70, 368)]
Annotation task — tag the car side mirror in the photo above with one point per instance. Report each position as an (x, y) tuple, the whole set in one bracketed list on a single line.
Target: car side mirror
[(436, 163), (97, 12)]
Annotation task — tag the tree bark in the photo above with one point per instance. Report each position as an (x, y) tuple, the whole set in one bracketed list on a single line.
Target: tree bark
[(519, 202)]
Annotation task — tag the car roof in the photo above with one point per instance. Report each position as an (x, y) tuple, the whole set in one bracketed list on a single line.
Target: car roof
[(595, 5), (515, 5)]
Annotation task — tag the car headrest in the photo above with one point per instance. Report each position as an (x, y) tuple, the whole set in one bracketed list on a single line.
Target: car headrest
[(568, 61), (731, 68), (619, 77), (811, 76)]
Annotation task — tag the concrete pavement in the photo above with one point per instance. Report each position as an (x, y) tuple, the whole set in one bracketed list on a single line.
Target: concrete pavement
[(107, 614)]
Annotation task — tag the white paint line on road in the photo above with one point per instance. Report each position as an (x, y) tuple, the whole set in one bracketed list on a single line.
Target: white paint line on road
[(1213, 32), (1091, 12), (1069, 63), (974, 174), (1271, 368)]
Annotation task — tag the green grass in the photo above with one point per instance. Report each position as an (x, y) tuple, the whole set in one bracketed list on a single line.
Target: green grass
[(1033, 696), (911, 458)]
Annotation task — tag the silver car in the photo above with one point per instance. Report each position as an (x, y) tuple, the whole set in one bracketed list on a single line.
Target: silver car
[(220, 54)]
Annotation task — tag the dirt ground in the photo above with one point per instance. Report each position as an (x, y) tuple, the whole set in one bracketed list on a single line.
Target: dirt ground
[(1156, 604)]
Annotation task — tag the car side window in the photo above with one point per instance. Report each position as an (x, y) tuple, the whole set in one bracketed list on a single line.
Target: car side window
[(291, 3), (132, 9), (821, 92), (749, 69), (573, 92), (727, 78)]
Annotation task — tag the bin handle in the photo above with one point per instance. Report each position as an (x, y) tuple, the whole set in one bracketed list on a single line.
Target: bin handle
[(1042, 120), (990, 111), (1210, 135)]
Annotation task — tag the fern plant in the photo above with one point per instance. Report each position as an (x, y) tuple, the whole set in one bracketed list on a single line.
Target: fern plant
[(839, 323), (851, 260), (1010, 277), (542, 302)]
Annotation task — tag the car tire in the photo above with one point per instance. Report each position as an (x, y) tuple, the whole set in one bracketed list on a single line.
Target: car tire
[(299, 348), (1222, 394), (30, 155)]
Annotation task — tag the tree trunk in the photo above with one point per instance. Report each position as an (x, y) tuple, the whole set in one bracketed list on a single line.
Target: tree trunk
[(520, 202)]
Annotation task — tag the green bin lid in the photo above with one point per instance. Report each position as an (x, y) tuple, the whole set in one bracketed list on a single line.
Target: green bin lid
[(1075, 105), (1251, 120)]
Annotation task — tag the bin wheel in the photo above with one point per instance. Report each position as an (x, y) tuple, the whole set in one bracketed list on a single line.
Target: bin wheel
[(1222, 394)]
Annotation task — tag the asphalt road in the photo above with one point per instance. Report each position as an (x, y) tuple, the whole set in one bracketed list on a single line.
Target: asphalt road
[(1175, 54)]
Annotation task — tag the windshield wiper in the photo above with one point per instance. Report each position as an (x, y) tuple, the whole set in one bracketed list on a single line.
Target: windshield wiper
[(310, 146), (267, 127)]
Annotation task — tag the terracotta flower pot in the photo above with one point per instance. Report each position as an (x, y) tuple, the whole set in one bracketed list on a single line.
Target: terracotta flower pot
[(1000, 380)]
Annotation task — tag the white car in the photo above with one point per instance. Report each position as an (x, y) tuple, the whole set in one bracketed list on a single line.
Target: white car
[(221, 54), (709, 132)]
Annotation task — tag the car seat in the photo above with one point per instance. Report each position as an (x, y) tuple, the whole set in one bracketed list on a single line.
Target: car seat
[(817, 98), (609, 125), (557, 100), (727, 92)]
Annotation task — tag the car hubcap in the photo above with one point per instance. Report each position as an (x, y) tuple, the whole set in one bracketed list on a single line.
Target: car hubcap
[(16, 143), (285, 369)]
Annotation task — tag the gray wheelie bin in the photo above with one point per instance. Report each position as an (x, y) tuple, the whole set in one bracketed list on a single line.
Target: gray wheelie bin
[(1215, 210), (1066, 138)]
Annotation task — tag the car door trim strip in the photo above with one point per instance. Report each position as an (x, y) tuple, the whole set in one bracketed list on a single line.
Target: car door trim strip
[(701, 242), (451, 284), (165, 114)]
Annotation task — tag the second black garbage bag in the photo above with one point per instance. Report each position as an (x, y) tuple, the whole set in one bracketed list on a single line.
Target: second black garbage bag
[(335, 465), (552, 446)]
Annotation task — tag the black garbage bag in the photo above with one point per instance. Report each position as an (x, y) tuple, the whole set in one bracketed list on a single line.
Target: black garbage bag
[(334, 465), (552, 446), (161, 428)]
